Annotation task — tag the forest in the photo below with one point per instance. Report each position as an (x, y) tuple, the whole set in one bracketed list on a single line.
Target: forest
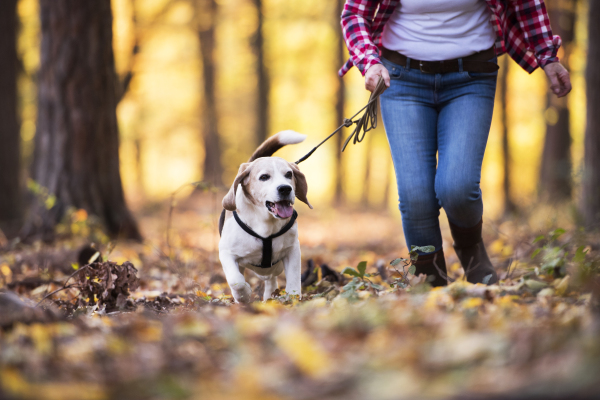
[(123, 124)]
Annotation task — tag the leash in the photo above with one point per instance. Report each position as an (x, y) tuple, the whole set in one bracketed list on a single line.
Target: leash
[(363, 125)]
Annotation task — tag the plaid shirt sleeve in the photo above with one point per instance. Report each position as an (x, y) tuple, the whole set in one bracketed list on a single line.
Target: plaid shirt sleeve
[(533, 21), (357, 22)]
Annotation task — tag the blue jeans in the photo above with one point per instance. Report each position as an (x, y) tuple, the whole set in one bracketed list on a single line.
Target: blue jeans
[(445, 114)]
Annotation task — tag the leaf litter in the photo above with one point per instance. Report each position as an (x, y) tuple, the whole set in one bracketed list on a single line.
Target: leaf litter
[(365, 327)]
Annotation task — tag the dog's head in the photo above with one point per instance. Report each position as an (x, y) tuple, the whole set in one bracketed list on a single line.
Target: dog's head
[(271, 185)]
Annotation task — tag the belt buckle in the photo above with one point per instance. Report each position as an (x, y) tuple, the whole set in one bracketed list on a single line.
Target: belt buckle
[(421, 68)]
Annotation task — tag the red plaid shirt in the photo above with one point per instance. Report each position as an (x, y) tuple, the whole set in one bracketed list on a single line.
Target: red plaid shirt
[(522, 28)]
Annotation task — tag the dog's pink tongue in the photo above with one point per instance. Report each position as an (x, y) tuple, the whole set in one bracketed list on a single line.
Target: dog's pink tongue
[(283, 209)]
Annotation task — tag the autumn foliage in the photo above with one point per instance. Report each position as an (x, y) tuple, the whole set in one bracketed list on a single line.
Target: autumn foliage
[(366, 327)]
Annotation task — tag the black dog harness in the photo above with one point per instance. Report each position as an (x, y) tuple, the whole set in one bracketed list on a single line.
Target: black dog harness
[(267, 252)]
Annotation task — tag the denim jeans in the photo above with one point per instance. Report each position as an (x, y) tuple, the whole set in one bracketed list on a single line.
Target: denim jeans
[(445, 114)]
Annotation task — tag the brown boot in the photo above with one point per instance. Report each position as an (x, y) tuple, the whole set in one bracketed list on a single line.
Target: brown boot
[(425, 265), (470, 250)]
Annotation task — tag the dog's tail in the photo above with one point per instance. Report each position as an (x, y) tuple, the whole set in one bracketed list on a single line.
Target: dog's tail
[(276, 142)]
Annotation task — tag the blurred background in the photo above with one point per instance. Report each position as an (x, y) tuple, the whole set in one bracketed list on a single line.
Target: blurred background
[(200, 83), (110, 109)]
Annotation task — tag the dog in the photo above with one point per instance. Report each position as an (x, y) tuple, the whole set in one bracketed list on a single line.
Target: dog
[(257, 226)]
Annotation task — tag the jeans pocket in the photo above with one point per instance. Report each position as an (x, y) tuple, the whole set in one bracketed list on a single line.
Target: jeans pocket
[(484, 75), (396, 71)]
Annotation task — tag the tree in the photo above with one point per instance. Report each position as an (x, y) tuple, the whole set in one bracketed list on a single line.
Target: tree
[(76, 156), (9, 123), (509, 205), (555, 172), (590, 199), (262, 78), (339, 103), (206, 16)]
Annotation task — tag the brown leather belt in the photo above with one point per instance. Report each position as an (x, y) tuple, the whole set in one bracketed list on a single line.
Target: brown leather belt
[(478, 62)]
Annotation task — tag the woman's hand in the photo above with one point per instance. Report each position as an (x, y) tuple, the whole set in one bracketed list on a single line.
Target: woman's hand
[(373, 74), (560, 81)]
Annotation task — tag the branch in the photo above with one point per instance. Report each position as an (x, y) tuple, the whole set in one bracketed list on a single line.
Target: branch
[(442, 274), (135, 50), (64, 285)]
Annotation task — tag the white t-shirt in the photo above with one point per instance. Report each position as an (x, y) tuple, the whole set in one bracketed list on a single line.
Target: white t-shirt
[(435, 30)]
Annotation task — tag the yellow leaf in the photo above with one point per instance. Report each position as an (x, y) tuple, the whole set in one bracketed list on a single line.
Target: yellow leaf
[(41, 335), (454, 267), (195, 328), (6, 271), (563, 285), (437, 298), (303, 350), (152, 332), (472, 302), (14, 383), (506, 301), (546, 292), (80, 215), (250, 325), (497, 246)]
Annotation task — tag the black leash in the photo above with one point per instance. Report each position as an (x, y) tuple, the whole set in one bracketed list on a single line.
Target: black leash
[(267, 253), (363, 125)]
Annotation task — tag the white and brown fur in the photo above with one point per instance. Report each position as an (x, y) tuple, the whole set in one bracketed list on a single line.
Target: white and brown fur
[(237, 249)]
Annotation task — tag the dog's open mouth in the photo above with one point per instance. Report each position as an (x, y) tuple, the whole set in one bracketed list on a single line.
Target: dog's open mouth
[(281, 209)]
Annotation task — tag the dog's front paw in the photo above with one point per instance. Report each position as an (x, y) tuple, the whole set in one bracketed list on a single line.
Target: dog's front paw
[(241, 292)]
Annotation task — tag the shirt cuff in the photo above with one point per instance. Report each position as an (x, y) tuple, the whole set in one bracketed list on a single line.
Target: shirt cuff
[(549, 54), (371, 60)]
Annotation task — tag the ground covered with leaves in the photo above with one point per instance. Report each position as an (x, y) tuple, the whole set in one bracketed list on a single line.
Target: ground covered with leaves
[(156, 320)]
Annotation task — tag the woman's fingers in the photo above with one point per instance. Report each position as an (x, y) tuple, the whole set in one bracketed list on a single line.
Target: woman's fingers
[(560, 81), (386, 77), (565, 80), (554, 83), (373, 74)]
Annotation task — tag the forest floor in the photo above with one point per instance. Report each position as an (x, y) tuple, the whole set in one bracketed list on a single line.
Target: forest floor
[(156, 320)]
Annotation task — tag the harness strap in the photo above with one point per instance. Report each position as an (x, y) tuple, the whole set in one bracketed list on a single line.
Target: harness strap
[(267, 252)]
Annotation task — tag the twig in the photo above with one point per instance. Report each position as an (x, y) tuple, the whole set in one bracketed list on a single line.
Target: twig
[(471, 267), (508, 271), (198, 184), (171, 208), (64, 285), (57, 290), (442, 274)]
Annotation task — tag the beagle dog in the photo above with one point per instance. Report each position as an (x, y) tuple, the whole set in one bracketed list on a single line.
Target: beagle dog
[(257, 226)]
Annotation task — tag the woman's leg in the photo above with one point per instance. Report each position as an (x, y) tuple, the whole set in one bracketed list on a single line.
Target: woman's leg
[(464, 121), (410, 121), (465, 117)]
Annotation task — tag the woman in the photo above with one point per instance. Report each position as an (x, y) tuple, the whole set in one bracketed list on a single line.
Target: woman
[(438, 59)]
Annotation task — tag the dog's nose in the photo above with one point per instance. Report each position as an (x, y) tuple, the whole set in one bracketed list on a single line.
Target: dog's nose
[(284, 190)]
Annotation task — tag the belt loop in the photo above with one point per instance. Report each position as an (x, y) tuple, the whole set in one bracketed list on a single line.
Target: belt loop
[(460, 65), (408, 63)]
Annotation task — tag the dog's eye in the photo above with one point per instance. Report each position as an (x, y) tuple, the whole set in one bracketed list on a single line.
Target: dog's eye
[(288, 175), (264, 177)]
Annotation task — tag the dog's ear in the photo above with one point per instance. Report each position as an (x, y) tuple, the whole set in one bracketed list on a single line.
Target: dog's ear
[(229, 199), (300, 183)]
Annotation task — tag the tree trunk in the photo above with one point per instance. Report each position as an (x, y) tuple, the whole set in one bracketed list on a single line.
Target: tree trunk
[(590, 201), (509, 205), (339, 105), (555, 172), (206, 14), (262, 78), (9, 124), (76, 154), (364, 200)]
